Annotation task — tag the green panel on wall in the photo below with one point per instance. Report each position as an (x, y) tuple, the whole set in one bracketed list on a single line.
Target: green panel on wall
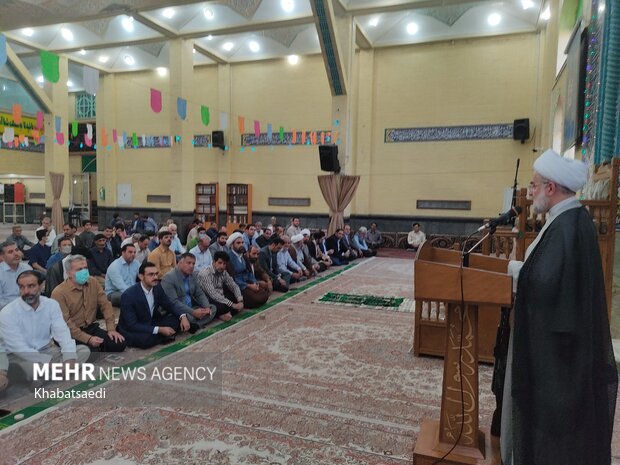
[(89, 164)]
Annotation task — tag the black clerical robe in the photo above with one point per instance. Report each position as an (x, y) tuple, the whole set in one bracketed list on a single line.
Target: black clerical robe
[(564, 377)]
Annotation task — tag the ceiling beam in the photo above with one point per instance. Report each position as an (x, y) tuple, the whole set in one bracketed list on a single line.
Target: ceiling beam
[(218, 59), (24, 76), (251, 27), (360, 38), (156, 26), (402, 6)]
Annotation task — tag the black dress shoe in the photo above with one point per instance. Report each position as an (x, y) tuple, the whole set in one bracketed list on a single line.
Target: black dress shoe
[(193, 327), (167, 340)]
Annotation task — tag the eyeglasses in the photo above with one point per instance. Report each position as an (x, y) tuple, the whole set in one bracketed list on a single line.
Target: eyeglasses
[(533, 185)]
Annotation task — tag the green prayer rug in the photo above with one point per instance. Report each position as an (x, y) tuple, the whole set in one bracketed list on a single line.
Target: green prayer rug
[(399, 304)]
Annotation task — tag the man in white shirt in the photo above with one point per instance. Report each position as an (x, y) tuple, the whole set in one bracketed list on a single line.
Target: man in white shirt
[(175, 246), (10, 268), (30, 324), (202, 252), (415, 238), (46, 223)]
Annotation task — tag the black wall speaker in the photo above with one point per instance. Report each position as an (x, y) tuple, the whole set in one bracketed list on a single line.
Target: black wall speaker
[(521, 129), (329, 158), (217, 139), (9, 193)]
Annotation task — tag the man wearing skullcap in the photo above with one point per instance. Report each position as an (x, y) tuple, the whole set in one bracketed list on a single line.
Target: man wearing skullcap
[(561, 378)]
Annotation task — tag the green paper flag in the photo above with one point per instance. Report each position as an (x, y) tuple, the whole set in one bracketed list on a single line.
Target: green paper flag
[(204, 113), (135, 139), (74, 128), (281, 134), (49, 64)]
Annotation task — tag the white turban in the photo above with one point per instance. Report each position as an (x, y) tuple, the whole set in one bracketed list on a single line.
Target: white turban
[(128, 241), (232, 238), (305, 232), (571, 174), (296, 238)]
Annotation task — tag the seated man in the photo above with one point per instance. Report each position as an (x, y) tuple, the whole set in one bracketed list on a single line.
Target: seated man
[(263, 239), (46, 223), (212, 231), (317, 250), (141, 322), (220, 243), (262, 277), (286, 264), (294, 228), (87, 236), (359, 242), (309, 259), (102, 257), (297, 254), (69, 231), (183, 290), (40, 253), (138, 224), (55, 273), (249, 236), (10, 268), (201, 251), (19, 238), (117, 240), (241, 271), (335, 248), (373, 237), (33, 330), (142, 249), (64, 249), (79, 298), (348, 242), (220, 288), (163, 257), (122, 273), (175, 243), (415, 238), (268, 260), (193, 241)]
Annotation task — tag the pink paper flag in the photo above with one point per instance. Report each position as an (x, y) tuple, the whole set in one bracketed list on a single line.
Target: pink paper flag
[(155, 100), (114, 136), (60, 138), (39, 120), (17, 113), (88, 141), (256, 129)]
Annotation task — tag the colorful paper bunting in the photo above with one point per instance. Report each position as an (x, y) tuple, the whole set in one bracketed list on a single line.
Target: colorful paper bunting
[(303, 136), (241, 124), (88, 141), (256, 129), (2, 50), (49, 65), (89, 131), (294, 136), (58, 123), (35, 135), (156, 100), (17, 113), (134, 140), (60, 138), (8, 135), (204, 114), (114, 136), (40, 120), (182, 108), (104, 138)]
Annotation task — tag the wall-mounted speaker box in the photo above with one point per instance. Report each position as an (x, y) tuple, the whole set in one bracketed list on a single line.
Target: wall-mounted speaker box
[(521, 129), (217, 139), (328, 155)]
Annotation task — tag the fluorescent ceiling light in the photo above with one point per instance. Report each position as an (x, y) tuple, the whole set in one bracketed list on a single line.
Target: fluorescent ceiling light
[(28, 31), (527, 4), (103, 59), (69, 83), (66, 34), (162, 71), (254, 46), (129, 60), (40, 79), (228, 46), (193, 50), (127, 23), (82, 52), (412, 28), (208, 12), (209, 37), (374, 21), (293, 59), (494, 19), (287, 5), (168, 13), (546, 14)]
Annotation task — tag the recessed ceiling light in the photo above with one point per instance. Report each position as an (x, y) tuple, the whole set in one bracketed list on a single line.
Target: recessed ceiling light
[(527, 4), (194, 50), (374, 21), (287, 5), (494, 19), (127, 23), (208, 12), (66, 34), (40, 79), (128, 59), (82, 52), (601, 7), (168, 13), (254, 46), (103, 59), (293, 59), (209, 37), (412, 28), (546, 14), (162, 71), (69, 83), (228, 46), (28, 31)]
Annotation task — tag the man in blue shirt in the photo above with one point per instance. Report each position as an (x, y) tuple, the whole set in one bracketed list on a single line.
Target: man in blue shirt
[(122, 273), (40, 253), (10, 268)]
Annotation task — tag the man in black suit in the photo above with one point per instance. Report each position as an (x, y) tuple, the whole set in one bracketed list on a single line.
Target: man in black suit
[(336, 249), (141, 321)]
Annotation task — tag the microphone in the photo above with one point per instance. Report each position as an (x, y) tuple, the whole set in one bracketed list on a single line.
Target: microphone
[(504, 218)]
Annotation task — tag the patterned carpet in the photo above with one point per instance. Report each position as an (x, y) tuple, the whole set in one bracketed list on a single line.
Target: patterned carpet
[(303, 383)]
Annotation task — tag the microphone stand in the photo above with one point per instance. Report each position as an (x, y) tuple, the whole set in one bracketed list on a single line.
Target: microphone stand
[(465, 254)]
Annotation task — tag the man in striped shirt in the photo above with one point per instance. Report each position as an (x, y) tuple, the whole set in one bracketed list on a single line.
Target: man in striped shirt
[(220, 288)]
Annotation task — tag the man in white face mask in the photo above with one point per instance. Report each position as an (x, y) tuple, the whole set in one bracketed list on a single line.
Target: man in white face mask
[(30, 324)]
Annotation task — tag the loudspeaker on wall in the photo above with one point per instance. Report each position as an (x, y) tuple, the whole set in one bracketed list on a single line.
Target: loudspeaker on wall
[(328, 155), (521, 129), (217, 139)]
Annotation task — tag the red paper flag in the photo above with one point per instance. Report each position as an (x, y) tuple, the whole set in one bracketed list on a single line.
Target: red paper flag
[(256, 129)]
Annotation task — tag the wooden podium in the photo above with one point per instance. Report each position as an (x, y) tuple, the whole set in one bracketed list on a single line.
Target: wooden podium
[(486, 286)]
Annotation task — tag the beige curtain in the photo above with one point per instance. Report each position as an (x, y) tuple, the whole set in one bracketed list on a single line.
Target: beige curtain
[(338, 191), (58, 219)]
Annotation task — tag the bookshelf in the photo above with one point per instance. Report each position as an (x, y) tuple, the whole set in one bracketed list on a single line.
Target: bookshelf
[(238, 205), (207, 203)]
